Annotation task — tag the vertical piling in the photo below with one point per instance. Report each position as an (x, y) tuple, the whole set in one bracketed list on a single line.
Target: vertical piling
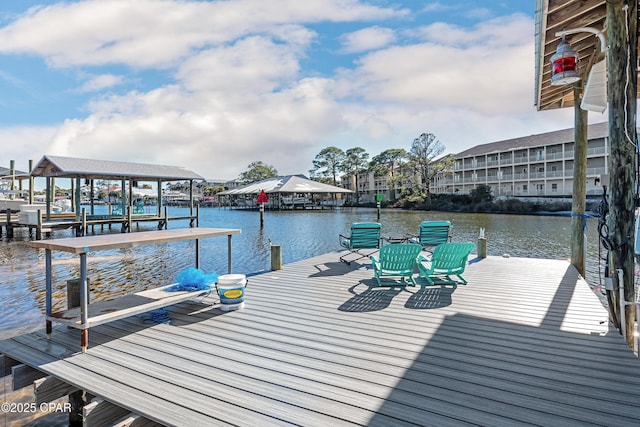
[(276, 257), (482, 244)]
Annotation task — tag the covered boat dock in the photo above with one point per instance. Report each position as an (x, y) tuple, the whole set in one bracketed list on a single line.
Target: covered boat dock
[(88, 171), (285, 192)]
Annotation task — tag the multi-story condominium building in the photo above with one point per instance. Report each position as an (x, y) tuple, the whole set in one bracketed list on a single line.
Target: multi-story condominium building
[(535, 166), (530, 166)]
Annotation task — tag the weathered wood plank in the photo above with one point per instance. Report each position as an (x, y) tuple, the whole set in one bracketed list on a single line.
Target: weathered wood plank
[(124, 306), (49, 388), (100, 413), (24, 376), (104, 386), (317, 344), (85, 244), (7, 363), (136, 421)]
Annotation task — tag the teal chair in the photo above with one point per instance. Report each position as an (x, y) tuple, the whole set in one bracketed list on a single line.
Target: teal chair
[(364, 235), (117, 209), (432, 233), (448, 259), (398, 260), (138, 207)]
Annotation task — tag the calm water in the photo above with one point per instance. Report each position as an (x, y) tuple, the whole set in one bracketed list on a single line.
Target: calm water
[(301, 234)]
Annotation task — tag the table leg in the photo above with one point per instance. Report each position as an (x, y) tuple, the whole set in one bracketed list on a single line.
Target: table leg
[(229, 253), (48, 291), (197, 253), (84, 302)]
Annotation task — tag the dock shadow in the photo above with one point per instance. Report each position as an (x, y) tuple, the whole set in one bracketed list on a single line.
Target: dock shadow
[(373, 298), (338, 268), (431, 297)]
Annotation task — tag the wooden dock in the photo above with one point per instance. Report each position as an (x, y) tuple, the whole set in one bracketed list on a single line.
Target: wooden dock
[(82, 227), (525, 342)]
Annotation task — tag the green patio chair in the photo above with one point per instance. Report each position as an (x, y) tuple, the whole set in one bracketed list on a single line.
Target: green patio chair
[(364, 235), (398, 260), (117, 209), (138, 207), (448, 259), (432, 233)]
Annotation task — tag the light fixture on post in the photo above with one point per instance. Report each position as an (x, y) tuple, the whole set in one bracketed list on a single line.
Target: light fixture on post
[(595, 90), (564, 65)]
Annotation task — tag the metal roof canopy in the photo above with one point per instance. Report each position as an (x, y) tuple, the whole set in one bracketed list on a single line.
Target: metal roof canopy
[(558, 15), (286, 184), (69, 167), (6, 173)]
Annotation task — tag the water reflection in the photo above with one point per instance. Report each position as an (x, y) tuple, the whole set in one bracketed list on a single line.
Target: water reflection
[(301, 234)]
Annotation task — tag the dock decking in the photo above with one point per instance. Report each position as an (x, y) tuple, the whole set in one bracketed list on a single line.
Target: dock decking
[(525, 342)]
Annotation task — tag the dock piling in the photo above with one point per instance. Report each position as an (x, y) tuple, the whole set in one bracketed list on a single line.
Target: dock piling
[(276, 257), (482, 245)]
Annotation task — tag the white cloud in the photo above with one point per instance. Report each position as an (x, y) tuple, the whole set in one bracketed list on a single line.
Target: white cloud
[(24, 143), (158, 33), (436, 7), (367, 39), (239, 91), (102, 81)]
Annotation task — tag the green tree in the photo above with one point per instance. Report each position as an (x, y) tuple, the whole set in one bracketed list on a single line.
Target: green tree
[(356, 162), (389, 163), (424, 150), (482, 193), (257, 171), (328, 164)]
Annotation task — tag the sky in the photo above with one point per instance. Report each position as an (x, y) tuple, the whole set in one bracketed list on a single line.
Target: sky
[(213, 86)]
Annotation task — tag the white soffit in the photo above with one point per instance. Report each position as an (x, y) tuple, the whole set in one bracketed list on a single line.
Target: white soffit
[(595, 92)]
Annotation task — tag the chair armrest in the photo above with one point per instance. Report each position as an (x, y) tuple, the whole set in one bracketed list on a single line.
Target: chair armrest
[(344, 241), (412, 238), (422, 258), (374, 260)]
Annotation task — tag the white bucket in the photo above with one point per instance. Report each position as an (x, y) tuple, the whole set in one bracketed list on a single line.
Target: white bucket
[(231, 291)]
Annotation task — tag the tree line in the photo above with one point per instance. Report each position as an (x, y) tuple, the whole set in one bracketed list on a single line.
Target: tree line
[(417, 166)]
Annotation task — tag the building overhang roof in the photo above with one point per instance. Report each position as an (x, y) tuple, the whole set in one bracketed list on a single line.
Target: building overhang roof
[(561, 15)]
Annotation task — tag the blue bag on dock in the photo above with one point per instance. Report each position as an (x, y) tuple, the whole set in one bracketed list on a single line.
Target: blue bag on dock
[(194, 279)]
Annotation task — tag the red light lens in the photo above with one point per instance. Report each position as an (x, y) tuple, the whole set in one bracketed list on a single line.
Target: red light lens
[(561, 65)]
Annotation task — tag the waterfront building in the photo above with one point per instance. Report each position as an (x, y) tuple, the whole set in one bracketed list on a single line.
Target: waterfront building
[(529, 167)]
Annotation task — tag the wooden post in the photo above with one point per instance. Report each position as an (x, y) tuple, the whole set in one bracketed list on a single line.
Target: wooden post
[(77, 401), (9, 226), (276, 257), (166, 217), (482, 245), (12, 172), (622, 55), (84, 221), (31, 198), (48, 197), (261, 215), (39, 226), (578, 201)]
